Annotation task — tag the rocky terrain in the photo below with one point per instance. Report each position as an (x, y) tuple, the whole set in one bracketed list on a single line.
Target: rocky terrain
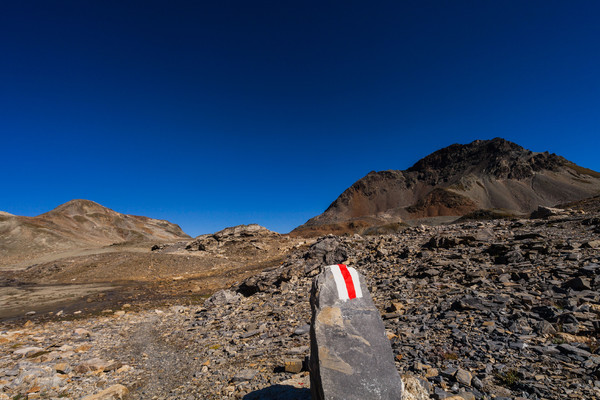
[(143, 273), (504, 309), (73, 226), (495, 175)]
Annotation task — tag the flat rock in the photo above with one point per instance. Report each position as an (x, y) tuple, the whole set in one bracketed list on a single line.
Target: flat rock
[(545, 212), (244, 375), (112, 393), (27, 351), (568, 349), (579, 283), (463, 377), (592, 244)]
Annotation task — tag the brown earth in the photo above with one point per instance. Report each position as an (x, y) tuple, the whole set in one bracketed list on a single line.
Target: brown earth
[(93, 280), (84, 257), (440, 203)]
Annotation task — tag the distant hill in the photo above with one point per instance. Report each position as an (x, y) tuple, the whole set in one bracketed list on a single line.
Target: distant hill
[(454, 181), (77, 224)]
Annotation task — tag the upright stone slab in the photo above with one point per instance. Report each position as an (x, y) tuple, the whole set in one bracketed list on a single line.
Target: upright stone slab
[(350, 355)]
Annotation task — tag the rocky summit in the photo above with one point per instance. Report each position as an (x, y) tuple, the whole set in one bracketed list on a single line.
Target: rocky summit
[(500, 309), (497, 176)]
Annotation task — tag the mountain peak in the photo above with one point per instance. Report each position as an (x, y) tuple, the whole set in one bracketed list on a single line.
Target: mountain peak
[(497, 158), (455, 180), (79, 224), (79, 207)]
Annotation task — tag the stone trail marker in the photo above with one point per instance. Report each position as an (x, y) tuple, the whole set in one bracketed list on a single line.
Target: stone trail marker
[(350, 355)]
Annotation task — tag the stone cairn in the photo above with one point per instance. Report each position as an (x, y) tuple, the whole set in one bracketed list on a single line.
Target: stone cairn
[(350, 355)]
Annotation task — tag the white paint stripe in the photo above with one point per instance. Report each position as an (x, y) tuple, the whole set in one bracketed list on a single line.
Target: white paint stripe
[(356, 282), (339, 282)]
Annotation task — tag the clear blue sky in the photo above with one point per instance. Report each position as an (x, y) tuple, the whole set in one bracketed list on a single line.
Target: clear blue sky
[(216, 113)]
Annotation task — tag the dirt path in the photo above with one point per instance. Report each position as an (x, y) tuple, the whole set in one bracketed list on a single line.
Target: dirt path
[(154, 346)]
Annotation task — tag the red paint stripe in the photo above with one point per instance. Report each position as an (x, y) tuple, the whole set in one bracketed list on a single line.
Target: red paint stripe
[(348, 280)]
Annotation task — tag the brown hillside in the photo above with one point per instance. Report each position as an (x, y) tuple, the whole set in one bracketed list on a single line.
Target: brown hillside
[(456, 180), (76, 224)]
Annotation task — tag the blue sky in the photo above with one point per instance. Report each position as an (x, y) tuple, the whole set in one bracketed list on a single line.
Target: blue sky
[(213, 114)]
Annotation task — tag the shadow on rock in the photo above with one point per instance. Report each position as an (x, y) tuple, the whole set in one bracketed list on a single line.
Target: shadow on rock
[(279, 392)]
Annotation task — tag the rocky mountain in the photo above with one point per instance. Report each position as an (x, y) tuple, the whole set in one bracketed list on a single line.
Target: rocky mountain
[(454, 181), (77, 224)]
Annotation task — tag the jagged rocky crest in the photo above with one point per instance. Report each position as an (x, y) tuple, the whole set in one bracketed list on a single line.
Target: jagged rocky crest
[(496, 158), (483, 175)]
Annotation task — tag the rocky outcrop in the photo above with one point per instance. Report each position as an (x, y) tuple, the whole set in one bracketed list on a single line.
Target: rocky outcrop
[(251, 234), (547, 212), (350, 355), (454, 181)]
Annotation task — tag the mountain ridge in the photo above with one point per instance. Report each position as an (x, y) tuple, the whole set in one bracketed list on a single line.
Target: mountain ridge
[(454, 181), (77, 224)]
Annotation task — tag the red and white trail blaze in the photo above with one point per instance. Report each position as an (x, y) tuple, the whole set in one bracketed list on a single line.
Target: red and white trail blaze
[(347, 282)]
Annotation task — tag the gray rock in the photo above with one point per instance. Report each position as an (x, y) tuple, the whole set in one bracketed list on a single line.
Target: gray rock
[(326, 251), (544, 328), (440, 393), (592, 244), (449, 372), (568, 349), (441, 242), (591, 269), (222, 297), (463, 377), (244, 375), (351, 357), (545, 212), (302, 330), (112, 393)]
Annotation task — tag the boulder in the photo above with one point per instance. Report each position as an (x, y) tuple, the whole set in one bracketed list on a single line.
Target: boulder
[(545, 212), (579, 283), (351, 356), (222, 297), (592, 244)]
